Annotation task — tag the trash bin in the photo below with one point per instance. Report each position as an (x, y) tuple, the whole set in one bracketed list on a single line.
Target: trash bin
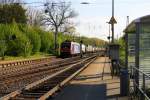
[(124, 82)]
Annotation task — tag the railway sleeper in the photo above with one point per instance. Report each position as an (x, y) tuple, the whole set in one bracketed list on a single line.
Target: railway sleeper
[(25, 72), (46, 87), (38, 91), (31, 94), (21, 70), (23, 98)]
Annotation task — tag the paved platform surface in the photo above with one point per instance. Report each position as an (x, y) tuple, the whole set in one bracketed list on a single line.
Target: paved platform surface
[(83, 92), (93, 83)]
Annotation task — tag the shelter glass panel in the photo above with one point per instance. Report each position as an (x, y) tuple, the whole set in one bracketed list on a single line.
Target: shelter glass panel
[(144, 56), (144, 53), (131, 49)]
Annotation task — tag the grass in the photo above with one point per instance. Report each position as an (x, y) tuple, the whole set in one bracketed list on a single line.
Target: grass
[(35, 56)]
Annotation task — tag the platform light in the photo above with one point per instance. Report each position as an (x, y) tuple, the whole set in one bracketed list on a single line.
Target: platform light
[(85, 3)]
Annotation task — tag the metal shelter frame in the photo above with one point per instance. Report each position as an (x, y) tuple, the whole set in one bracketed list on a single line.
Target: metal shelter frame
[(137, 92)]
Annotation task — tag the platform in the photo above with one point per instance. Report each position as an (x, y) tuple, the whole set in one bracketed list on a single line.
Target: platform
[(93, 83)]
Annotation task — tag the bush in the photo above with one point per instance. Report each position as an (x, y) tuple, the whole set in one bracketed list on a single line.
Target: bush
[(2, 42), (33, 36), (30, 40), (46, 41), (11, 12), (2, 48), (121, 42), (20, 46)]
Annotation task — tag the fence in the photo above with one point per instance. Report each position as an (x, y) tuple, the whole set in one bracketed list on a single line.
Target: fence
[(139, 85)]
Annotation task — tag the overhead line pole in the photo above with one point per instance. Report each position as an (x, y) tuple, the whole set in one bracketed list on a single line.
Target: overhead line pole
[(112, 21), (112, 24)]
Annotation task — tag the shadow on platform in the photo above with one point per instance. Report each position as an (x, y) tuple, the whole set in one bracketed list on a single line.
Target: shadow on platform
[(82, 92)]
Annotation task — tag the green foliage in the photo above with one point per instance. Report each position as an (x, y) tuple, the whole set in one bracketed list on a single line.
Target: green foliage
[(33, 36), (121, 42), (92, 41), (11, 12), (46, 41), (22, 40), (20, 46), (2, 48)]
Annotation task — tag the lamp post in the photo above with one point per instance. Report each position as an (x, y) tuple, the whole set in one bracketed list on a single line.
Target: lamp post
[(112, 21), (84, 3)]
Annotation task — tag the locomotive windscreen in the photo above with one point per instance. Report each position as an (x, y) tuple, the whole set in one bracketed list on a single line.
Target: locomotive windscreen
[(65, 45)]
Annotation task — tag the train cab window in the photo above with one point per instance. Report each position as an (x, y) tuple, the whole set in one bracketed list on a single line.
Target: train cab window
[(65, 45)]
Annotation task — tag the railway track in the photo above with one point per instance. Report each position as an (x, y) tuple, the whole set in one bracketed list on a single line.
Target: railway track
[(11, 70), (49, 85), (8, 69), (28, 74), (24, 62), (20, 70)]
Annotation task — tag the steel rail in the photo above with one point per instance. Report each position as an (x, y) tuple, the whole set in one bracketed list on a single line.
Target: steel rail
[(25, 69), (37, 68), (56, 88), (24, 62), (32, 85), (27, 77), (12, 69), (35, 84)]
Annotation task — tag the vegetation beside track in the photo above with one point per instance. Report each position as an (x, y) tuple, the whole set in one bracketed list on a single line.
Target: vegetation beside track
[(20, 58), (30, 40), (19, 39)]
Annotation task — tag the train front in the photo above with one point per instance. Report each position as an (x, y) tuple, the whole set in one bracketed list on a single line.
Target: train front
[(65, 50)]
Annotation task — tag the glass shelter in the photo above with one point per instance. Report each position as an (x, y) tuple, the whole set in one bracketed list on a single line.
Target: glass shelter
[(137, 36)]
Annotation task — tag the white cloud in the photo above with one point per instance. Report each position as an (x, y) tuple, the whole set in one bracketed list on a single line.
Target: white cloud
[(93, 26), (92, 18)]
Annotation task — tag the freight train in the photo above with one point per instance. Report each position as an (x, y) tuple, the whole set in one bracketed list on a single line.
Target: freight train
[(69, 48)]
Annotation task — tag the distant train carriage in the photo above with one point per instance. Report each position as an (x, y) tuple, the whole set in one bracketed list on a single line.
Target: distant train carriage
[(83, 48), (94, 49), (75, 48), (89, 49)]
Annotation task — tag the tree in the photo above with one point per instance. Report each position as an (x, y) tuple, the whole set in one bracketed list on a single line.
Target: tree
[(56, 15), (68, 28), (33, 17), (12, 12), (9, 1), (2, 49)]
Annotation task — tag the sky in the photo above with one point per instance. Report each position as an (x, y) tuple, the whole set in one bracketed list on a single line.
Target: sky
[(92, 18)]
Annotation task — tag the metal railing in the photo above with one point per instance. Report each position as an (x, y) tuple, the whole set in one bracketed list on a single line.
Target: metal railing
[(139, 89)]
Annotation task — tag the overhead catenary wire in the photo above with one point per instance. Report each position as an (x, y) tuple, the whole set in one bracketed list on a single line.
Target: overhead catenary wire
[(38, 4)]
